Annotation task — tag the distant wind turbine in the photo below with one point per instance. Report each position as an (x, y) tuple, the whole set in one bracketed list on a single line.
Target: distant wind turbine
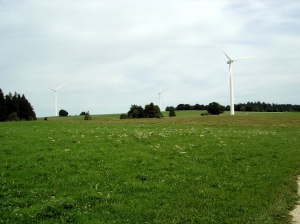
[(231, 79), (160, 95), (55, 99)]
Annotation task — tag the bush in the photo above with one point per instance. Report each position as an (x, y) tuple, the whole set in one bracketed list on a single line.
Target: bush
[(123, 116), (172, 112), (87, 116), (215, 109), (152, 111), (13, 116), (136, 112), (63, 113)]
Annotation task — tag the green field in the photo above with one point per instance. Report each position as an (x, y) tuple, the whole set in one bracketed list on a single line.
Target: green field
[(184, 169)]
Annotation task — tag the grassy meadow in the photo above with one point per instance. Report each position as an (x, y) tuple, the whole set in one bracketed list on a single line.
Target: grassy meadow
[(184, 169)]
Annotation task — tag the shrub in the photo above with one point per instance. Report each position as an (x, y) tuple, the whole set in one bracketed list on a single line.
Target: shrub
[(63, 113), (123, 116), (87, 117), (172, 112), (13, 116), (152, 111), (215, 108)]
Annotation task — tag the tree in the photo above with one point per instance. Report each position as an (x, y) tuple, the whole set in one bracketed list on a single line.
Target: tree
[(13, 116), (215, 108), (14, 107), (198, 107), (2, 107), (82, 113), (172, 112), (123, 116), (25, 111), (87, 116), (180, 106), (63, 113), (187, 107), (152, 111), (135, 112)]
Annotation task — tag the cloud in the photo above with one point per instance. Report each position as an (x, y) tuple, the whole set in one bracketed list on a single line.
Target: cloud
[(112, 54)]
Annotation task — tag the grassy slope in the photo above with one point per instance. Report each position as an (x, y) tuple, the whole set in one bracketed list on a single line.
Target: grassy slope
[(211, 169)]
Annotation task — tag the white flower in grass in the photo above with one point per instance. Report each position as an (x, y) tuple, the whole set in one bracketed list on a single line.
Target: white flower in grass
[(82, 136)]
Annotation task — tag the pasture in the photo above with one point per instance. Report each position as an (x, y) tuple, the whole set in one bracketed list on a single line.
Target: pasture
[(184, 169)]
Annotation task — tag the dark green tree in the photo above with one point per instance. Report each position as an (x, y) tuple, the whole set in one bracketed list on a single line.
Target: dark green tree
[(180, 107), (87, 116), (2, 107), (25, 111), (13, 117), (172, 112), (15, 106), (123, 116), (63, 113), (135, 112), (215, 108), (187, 107), (152, 111), (9, 103)]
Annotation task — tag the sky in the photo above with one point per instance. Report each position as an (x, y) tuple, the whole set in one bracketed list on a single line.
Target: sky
[(114, 54)]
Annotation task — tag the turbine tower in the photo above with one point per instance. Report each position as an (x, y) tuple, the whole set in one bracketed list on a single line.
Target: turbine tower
[(55, 99), (230, 61), (159, 96)]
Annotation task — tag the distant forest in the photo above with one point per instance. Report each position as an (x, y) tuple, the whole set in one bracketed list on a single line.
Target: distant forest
[(15, 107), (249, 106)]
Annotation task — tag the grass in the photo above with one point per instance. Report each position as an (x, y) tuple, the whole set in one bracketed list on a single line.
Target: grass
[(187, 169)]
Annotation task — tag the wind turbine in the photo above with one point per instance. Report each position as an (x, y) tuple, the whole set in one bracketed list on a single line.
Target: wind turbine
[(231, 79), (55, 99), (160, 95)]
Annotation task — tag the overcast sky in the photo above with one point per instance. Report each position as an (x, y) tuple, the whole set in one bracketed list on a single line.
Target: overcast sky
[(112, 54)]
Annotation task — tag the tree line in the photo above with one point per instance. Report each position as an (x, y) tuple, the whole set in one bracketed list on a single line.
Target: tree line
[(249, 106), (15, 107)]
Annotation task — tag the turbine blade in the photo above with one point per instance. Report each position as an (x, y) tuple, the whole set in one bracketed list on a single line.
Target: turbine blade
[(223, 51), (163, 96), (161, 89), (60, 86), (241, 58)]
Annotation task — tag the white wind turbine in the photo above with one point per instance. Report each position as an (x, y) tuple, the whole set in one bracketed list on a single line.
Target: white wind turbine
[(231, 79), (160, 95), (55, 99)]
